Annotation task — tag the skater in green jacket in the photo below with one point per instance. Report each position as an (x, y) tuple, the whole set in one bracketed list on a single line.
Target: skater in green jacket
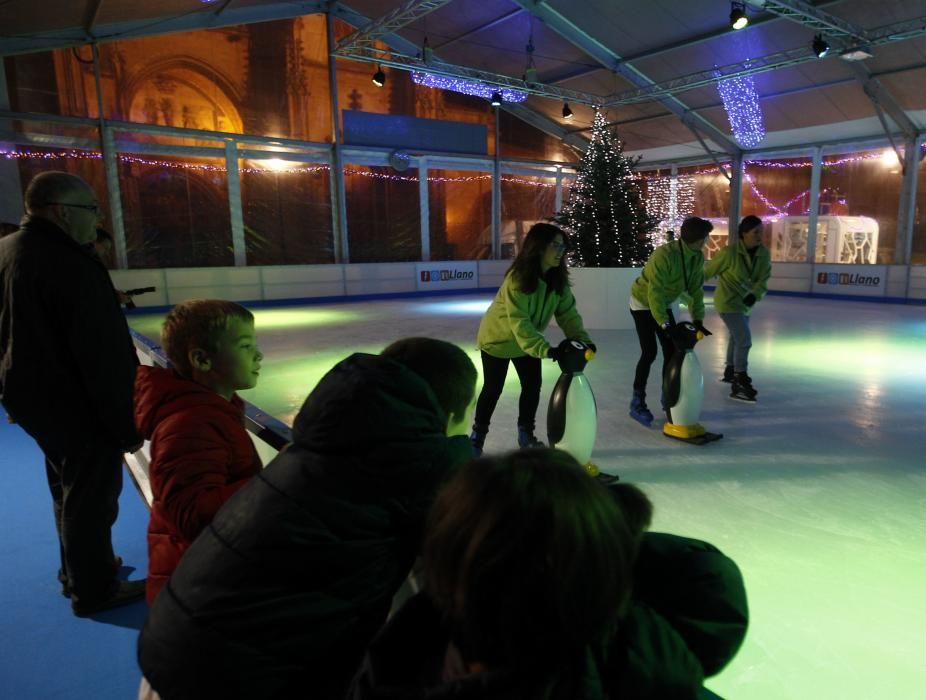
[(535, 290), (742, 270), (673, 270)]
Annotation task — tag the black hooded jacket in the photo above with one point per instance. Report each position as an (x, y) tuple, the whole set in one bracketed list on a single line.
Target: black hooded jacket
[(686, 620), (67, 363), (280, 595)]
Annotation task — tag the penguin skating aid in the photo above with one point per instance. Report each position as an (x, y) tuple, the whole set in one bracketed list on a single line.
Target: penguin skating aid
[(683, 389), (572, 416)]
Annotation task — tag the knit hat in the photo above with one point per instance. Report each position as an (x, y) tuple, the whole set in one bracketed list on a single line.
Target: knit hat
[(695, 228)]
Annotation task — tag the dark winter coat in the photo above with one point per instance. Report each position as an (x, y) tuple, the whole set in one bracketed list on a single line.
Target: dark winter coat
[(67, 362), (200, 455), (281, 594), (687, 619)]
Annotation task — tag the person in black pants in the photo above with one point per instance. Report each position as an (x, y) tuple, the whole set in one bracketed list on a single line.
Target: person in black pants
[(67, 371), (674, 269), (535, 290)]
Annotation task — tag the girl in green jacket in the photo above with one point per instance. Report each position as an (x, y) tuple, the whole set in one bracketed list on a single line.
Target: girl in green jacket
[(742, 270), (535, 289)]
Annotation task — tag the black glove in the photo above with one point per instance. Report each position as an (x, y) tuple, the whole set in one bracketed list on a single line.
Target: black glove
[(749, 299), (553, 353), (700, 326)]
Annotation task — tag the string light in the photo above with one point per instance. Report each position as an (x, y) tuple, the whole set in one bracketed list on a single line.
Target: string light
[(274, 167), (467, 87), (741, 103), (604, 206), (669, 200)]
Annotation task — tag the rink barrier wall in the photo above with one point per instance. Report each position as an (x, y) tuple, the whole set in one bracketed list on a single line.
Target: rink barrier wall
[(268, 433), (603, 293)]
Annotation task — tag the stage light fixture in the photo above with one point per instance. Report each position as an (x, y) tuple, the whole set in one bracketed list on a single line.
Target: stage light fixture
[(820, 46), (379, 78), (738, 18), (567, 112), (496, 99)]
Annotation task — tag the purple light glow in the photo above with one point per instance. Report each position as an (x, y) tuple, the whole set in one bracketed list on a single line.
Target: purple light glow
[(741, 102), (467, 87)]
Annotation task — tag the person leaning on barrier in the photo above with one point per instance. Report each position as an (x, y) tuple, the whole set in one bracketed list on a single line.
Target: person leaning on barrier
[(67, 367), (281, 593), (200, 450)]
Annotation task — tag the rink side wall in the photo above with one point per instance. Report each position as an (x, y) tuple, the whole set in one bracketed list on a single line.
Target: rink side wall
[(603, 293)]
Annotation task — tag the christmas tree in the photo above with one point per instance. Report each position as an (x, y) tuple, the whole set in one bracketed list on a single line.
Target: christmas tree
[(606, 216)]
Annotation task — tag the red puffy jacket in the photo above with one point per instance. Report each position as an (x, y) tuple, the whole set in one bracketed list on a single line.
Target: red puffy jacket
[(200, 455)]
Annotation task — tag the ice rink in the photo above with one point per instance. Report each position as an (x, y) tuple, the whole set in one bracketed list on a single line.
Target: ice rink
[(818, 491)]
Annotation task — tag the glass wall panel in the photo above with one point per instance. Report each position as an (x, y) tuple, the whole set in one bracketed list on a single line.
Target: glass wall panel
[(383, 214), (526, 200), (287, 212), (919, 217), (267, 78), (85, 164), (710, 194), (669, 199), (460, 214), (778, 192), (176, 211), (33, 81), (859, 202), (521, 140)]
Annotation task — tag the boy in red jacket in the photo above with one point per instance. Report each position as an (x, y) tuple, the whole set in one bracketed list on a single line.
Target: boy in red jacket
[(200, 450)]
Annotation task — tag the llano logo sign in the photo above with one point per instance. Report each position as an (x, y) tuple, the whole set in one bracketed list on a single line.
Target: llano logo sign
[(859, 280), (854, 279), (445, 275)]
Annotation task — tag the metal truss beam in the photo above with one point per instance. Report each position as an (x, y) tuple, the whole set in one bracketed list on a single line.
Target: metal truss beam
[(884, 100), (391, 57), (898, 31), (815, 18), (523, 112), (402, 16), (614, 62)]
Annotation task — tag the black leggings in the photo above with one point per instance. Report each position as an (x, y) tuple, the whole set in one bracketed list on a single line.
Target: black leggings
[(494, 370), (648, 331)]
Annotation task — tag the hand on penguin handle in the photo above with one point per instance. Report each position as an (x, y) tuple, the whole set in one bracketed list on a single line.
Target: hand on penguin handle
[(553, 353), (749, 299), (700, 326)]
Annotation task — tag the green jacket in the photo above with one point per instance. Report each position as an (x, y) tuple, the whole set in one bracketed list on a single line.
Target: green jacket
[(738, 274), (672, 270), (514, 323)]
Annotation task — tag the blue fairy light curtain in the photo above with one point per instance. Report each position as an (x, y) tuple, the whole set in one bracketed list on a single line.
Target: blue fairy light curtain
[(741, 103)]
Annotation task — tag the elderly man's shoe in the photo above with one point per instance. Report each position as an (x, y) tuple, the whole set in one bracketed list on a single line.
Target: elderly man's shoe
[(128, 592)]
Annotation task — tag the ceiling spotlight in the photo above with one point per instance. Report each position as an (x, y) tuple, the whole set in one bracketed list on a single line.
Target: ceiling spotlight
[(496, 99), (738, 18), (820, 46), (379, 78), (567, 113)]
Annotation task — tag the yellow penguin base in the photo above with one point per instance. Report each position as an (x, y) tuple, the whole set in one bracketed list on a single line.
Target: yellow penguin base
[(683, 432)]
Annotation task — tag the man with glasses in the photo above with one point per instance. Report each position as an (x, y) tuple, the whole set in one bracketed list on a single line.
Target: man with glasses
[(67, 369)]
